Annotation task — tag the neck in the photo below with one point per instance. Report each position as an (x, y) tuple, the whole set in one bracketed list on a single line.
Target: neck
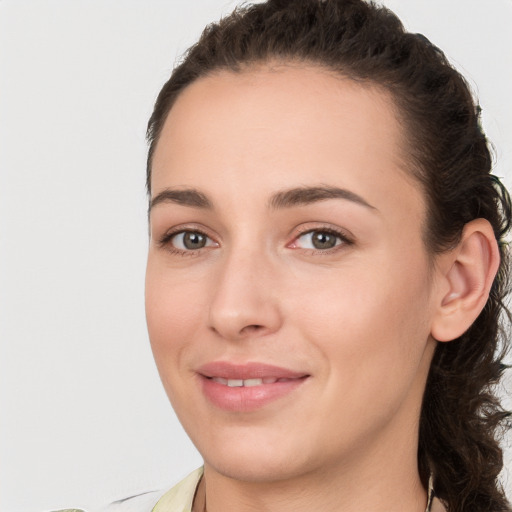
[(364, 484)]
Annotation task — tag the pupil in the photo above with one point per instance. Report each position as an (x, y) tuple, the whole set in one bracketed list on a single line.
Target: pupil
[(323, 240), (194, 240)]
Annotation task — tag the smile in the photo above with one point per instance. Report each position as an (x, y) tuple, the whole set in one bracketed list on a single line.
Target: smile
[(236, 383), (248, 387)]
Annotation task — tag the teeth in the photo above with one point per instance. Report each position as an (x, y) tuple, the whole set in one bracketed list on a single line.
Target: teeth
[(252, 382), (237, 383)]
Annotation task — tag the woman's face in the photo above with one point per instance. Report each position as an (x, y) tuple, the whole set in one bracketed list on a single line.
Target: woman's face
[(288, 292)]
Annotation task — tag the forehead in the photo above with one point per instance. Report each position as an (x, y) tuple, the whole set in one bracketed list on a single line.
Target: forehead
[(280, 123), (282, 102)]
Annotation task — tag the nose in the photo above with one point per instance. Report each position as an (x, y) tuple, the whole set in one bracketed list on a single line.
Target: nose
[(244, 302)]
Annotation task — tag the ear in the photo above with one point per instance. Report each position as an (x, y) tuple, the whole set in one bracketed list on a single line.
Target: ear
[(466, 274)]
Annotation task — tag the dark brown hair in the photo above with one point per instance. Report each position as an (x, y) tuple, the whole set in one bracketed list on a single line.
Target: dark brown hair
[(461, 418)]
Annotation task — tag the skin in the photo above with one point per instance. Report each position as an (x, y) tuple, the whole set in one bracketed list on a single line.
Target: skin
[(356, 318)]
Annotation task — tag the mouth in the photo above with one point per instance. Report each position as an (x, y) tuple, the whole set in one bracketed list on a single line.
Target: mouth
[(248, 383), (247, 387)]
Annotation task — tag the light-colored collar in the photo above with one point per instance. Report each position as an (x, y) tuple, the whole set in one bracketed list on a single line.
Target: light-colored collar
[(181, 496)]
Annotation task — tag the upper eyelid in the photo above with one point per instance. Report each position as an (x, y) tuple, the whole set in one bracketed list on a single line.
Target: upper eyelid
[(184, 228), (321, 229), (328, 228)]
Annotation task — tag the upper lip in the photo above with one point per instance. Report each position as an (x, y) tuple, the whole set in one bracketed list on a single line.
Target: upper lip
[(251, 370)]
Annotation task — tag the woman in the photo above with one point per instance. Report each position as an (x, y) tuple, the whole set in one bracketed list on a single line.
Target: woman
[(327, 268), (327, 265)]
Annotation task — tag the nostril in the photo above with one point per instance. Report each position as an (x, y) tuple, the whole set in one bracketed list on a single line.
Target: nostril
[(252, 328)]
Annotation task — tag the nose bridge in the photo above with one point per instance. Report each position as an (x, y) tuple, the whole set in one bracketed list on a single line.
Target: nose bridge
[(243, 302)]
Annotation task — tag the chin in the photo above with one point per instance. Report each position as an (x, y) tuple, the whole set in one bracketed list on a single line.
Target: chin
[(247, 459), (253, 468), (259, 455)]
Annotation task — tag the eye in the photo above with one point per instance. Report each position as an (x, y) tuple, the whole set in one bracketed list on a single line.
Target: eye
[(320, 240), (190, 240)]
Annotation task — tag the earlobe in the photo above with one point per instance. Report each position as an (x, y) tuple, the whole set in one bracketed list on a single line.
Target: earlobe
[(467, 274)]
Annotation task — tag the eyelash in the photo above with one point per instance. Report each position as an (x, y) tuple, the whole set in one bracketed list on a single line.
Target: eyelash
[(345, 240), (165, 241)]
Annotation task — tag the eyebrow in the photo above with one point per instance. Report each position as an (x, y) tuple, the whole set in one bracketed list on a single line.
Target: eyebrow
[(185, 197), (302, 196), (299, 196)]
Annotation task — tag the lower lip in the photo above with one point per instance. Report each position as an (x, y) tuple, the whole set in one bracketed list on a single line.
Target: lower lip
[(246, 399)]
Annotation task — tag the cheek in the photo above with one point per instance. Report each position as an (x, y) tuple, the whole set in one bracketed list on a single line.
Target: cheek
[(173, 314), (371, 327)]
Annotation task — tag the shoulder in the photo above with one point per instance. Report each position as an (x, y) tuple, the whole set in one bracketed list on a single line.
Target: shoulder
[(143, 502), (177, 499)]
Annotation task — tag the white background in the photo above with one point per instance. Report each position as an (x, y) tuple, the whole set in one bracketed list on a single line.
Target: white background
[(83, 417)]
